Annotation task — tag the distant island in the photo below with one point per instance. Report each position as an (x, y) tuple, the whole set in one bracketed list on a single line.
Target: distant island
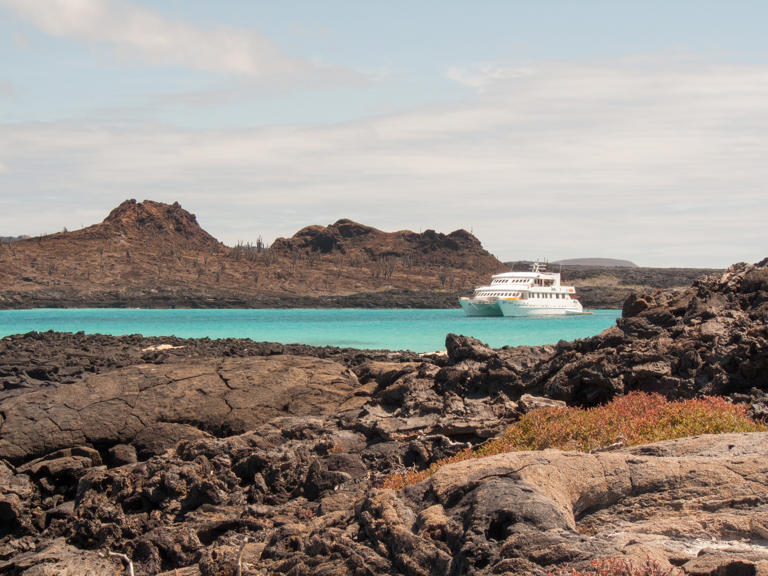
[(606, 262), (155, 255)]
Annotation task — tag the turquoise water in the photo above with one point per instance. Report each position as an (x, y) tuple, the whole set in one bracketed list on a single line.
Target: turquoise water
[(399, 329)]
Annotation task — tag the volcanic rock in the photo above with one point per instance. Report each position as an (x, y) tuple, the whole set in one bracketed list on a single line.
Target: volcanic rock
[(217, 396)]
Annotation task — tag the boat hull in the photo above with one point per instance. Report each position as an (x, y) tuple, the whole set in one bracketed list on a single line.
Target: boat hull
[(519, 308), (475, 307)]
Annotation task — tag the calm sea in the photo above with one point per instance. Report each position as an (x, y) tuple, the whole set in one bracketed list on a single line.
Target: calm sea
[(417, 330)]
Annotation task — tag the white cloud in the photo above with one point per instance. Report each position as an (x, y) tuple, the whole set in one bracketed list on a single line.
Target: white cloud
[(664, 167), (142, 32), (482, 77)]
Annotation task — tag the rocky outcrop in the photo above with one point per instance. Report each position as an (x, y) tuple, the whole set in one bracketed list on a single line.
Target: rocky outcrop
[(350, 238), (709, 339), (526, 511), (136, 220), (220, 397)]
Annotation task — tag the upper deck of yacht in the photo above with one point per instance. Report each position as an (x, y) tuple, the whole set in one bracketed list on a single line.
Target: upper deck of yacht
[(537, 276)]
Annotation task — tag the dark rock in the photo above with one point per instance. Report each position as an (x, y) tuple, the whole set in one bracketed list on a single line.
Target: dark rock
[(714, 563), (121, 454), (158, 437), (58, 557), (467, 348), (635, 304), (320, 479), (218, 396)]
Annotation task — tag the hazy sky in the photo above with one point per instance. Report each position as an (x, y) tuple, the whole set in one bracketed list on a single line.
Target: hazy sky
[(550, 129)]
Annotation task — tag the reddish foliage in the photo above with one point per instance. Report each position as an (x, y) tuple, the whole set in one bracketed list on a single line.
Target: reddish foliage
[(619, 567), (636, 418)]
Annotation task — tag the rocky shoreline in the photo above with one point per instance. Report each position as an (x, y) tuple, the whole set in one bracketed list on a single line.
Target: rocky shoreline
[(223, 457), (189, 298), (591, 297)]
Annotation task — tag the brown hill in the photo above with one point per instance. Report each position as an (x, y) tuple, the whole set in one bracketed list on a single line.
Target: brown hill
[(151, 254), (349, 239)]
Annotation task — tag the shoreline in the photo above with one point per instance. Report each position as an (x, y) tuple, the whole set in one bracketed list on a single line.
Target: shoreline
[(596, 299), (393, 329)]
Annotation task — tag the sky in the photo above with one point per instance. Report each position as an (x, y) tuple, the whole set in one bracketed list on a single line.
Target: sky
[(549, 129)]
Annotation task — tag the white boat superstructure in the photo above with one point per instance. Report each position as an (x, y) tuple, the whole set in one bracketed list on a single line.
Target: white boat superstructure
[(534, 293)]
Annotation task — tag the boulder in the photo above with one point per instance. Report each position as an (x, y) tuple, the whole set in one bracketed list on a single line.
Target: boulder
[(218, 396), (528, 402), (121, 454), (467, 348)]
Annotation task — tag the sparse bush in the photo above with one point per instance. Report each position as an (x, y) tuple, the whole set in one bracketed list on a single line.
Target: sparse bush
[(247, 251), (637, 418)]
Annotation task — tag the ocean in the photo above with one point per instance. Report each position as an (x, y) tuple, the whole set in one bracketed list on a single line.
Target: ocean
[(394, 329)]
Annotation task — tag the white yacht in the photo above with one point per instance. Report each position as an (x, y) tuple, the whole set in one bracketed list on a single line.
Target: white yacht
[(534, 293)]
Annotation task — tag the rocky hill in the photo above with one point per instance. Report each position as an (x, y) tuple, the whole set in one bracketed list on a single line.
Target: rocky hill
[(150, 254), (214, 458)]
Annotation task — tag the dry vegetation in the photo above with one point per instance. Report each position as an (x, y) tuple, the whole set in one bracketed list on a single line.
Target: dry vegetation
[(636, 418), (619, 567)]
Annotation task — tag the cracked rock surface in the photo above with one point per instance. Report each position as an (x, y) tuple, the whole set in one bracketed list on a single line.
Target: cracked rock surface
[(222, 397)]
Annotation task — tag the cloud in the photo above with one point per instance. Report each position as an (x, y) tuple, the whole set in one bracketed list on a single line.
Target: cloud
[(661, 166), (483, 76), (141, 32)]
